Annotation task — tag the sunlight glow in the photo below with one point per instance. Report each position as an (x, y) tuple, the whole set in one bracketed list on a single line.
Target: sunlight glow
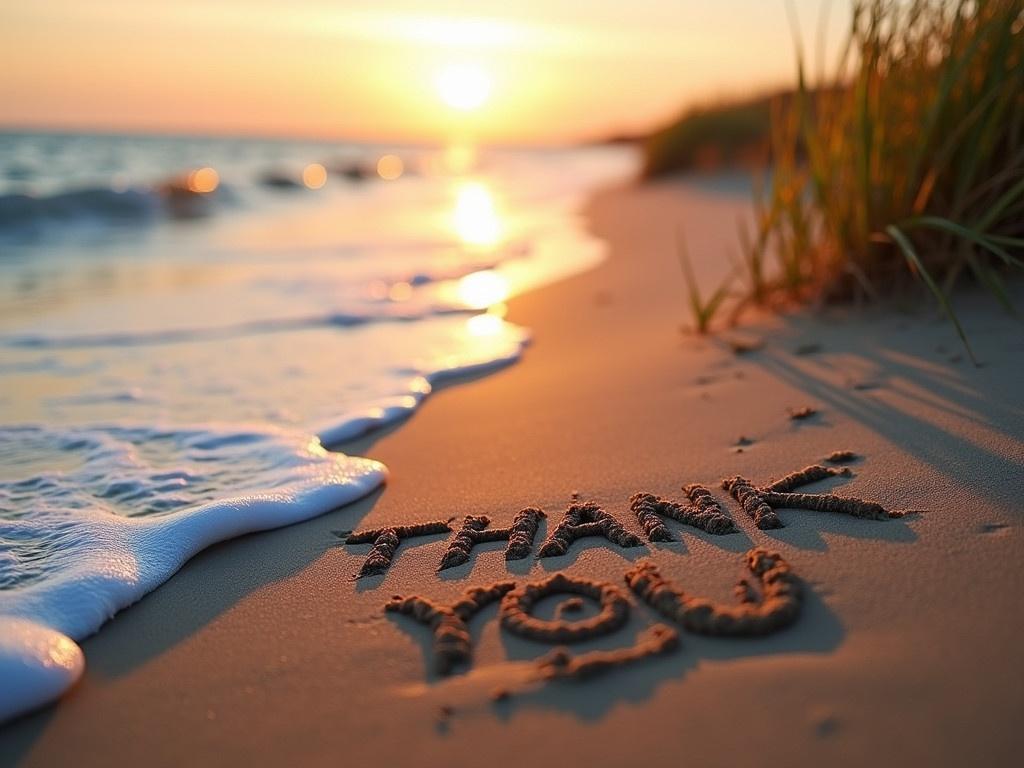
[(390, 167), (314, 176), (475, 218), (459, 158), (562, 70), (463, 86), (480, 290), (484, 325), (447, 31), (203, 180), (400, 291)]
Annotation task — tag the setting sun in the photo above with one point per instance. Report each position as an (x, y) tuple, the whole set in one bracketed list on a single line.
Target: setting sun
[(463, 86)]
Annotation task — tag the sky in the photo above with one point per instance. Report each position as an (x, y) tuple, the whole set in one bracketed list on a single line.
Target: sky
[(526, 71)]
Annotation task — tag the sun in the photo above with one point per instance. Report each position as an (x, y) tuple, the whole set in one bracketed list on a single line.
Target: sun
[(463, 86)]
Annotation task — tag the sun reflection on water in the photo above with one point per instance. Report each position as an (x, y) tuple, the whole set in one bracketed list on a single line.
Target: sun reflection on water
[(480, 290), (485, 325), (476, 218)]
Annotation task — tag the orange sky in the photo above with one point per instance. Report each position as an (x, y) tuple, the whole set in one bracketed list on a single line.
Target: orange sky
[(559, 69)]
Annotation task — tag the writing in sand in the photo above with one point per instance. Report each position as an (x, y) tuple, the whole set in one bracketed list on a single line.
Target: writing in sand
[(768, 599)]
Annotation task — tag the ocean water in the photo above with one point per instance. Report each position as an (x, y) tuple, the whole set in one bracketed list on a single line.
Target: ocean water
[(188, 326)]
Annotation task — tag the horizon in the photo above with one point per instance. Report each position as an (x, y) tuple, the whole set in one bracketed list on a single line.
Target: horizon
[(394, 74)]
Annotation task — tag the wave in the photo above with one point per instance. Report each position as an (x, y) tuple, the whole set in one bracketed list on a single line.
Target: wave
[(19, 211), (209, 333), (78, 558), (388, 411), (27, 214), (99, 516)]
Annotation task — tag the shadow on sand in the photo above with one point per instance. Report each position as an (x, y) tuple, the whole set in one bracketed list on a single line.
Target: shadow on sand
[(911, 391), (817, 631)]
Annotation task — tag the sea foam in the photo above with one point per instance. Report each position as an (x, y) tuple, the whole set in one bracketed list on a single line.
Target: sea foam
[(167, 386), (78, 559), (93, 518)]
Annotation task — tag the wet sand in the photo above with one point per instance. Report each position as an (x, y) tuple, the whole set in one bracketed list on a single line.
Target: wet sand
[(264, 651)]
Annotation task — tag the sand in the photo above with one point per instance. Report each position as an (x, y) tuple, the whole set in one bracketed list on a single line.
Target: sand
[(264, 651)]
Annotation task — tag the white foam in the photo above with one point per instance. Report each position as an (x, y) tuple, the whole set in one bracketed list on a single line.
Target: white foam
[(72, 565), (74, 554), (76, 551), (390, 410), (37, 664)]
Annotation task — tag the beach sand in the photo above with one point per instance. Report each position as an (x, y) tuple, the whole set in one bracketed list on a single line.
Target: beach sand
[(264, 651)]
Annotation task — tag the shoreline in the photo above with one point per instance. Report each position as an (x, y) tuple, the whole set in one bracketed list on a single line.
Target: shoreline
[(322, 666)]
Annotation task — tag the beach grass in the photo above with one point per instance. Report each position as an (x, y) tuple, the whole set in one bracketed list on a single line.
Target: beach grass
[(702, 310), (903, 166), (908, 164), (711, 136)]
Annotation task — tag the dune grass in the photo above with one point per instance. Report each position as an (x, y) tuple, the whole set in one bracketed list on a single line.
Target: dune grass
[(908, 164), (702, 310), (711, 136)]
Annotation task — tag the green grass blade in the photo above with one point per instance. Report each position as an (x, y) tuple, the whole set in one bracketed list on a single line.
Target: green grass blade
[(721, 294), (938, 222), (951, 74), (989, 278), (702, 312), (1004, 201), (914, 260), (1013, 242), (697, 311)]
